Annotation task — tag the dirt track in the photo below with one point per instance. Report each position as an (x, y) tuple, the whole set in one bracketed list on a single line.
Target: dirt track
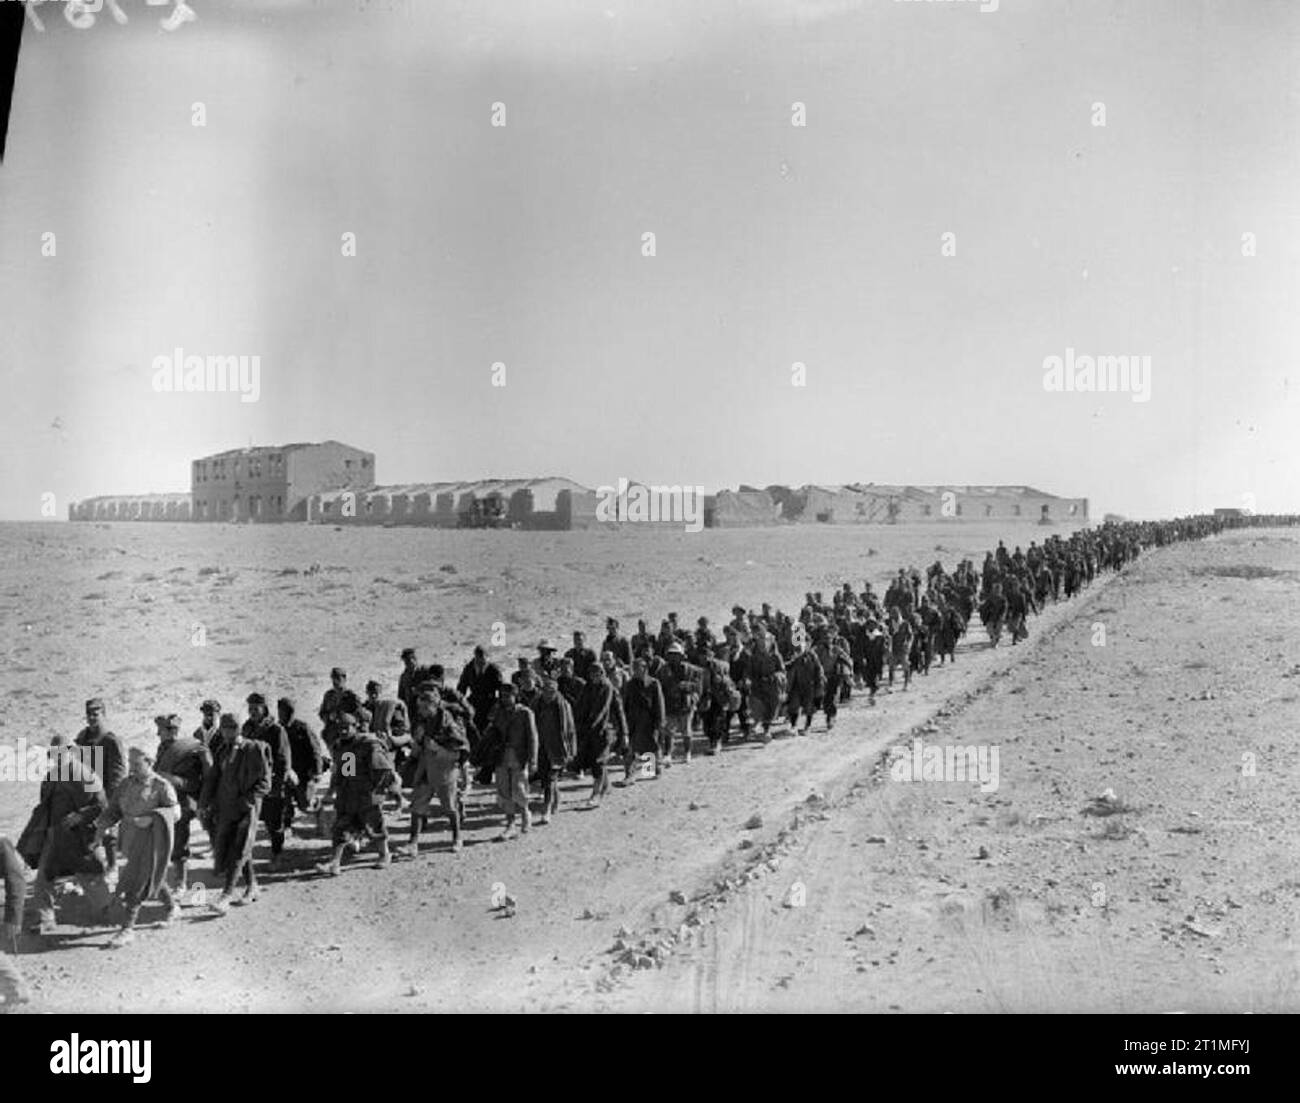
[(1017, 930), (1186, 903)]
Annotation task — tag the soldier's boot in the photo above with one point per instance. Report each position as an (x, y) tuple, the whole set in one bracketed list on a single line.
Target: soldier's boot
[(455, 818), (413, 842), (334, 866), (181, 868), (385, 857)]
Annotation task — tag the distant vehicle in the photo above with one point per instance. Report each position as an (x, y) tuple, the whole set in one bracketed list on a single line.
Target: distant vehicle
[(485, 513)]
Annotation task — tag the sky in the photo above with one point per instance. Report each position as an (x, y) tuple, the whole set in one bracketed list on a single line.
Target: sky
[(821, 245)]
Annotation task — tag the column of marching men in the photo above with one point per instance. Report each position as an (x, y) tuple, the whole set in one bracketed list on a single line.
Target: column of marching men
[(119, 823)]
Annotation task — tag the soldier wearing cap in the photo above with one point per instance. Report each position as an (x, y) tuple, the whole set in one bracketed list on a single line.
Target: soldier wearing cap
[(363, 776), (513, 729), (337, 700), (837, 665), (277, 807), (805, 686), (308, 759), (528, 687), (600, 727), (406, 681), (899, 629), (207, 730), (739, 624), (440, 767), (617, 644), (183, 762), (230, 806), (704, 639), (479, 682), (615, 672), (875, 646), (642, 641), (568, 681), (643, 708), (720, 696), (581, 656), (557, 742), (683, 686), (390, 721), (58, 839), (765, 676), (108, 756), (737, 656)]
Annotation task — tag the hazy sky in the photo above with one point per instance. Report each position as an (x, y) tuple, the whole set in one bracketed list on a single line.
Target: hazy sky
[(775, 243)]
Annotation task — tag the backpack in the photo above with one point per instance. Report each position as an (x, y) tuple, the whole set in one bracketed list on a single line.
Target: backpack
[(725, 694)]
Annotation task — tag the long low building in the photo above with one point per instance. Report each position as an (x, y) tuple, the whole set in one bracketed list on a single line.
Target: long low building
[(132, 507), (874, 504), (543, 503), (334, 483)]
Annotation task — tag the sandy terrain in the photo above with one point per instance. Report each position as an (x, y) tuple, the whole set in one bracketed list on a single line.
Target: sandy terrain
[(1202, 866)]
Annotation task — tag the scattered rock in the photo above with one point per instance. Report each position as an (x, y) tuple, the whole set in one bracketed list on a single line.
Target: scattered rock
[(677, 896), (754, 822), (1106, 804), (877, 839), (1200, 931)]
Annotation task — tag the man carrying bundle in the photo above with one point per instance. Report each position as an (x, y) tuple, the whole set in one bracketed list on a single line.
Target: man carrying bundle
[(145, 805), (363, 777), (59, 839), (442, 752)]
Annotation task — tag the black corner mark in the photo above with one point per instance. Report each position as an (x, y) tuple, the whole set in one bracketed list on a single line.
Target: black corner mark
[(11, 34)]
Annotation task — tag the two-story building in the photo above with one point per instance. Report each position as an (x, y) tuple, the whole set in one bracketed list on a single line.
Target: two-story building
[(274, 483)]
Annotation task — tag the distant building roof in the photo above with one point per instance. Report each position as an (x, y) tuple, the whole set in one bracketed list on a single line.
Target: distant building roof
[(264, 448), (164, 496)]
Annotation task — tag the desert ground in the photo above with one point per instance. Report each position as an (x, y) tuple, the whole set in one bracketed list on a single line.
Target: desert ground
[(797, 876)]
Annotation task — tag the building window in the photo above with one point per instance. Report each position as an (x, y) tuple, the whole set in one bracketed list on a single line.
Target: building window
[(959, 509), (1015, 510), (365, 463), (988, 511), (925, 511)]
